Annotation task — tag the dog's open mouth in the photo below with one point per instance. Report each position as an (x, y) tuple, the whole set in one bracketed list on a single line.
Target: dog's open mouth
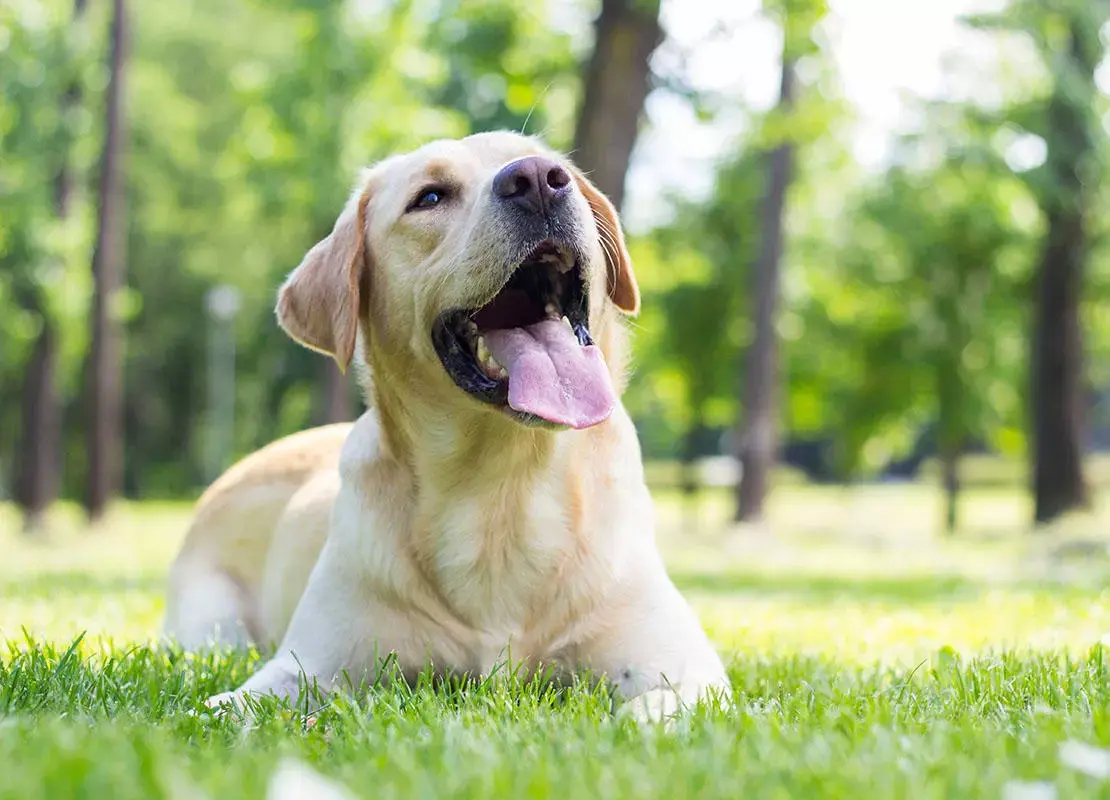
[(529, 349)]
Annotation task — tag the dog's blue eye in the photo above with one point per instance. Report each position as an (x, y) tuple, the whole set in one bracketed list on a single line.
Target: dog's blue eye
[(428, 199)]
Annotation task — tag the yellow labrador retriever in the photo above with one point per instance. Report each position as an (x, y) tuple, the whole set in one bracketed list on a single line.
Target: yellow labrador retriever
[(491, 502)]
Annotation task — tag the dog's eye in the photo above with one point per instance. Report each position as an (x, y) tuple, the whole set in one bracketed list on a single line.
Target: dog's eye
[(429, 198)]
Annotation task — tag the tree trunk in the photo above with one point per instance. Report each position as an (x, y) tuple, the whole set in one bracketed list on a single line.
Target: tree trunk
[(1057, 371), (758, 441), (617, 81), (38, 481), (951, 405), (1057, 351), (105, 358), (691, 483), (334, 404), (39, 458), (950, 478)]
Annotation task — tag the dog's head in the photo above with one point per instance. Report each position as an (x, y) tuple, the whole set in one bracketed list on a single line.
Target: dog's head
[(479, 267)]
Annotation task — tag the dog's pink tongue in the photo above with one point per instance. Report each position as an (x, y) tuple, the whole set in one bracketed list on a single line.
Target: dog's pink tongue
[(552, 376)]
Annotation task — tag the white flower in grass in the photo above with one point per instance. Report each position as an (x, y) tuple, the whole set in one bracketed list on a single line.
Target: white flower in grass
[(178, 786), (1028, 790), (294, 780), (1086, 758)]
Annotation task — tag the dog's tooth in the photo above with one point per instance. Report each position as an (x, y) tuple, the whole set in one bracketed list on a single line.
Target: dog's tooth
[(566, 319), (486, 361), (502, 373)]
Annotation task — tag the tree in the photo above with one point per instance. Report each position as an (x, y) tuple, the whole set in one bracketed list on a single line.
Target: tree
[(1056, 368), (1068, 36), (694, 314), (758, 440), (946, 236), (40, 441), (105, 363), (617, 79)]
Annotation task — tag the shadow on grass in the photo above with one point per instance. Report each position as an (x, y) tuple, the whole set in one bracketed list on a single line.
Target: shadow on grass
[(809, 588), (59, 584), (916, 589)]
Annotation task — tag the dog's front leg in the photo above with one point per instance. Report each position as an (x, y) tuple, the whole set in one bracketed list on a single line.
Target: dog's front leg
[(330, 634), (657, 656)]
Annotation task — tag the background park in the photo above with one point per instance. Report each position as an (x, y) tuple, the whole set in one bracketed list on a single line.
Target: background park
[(872, 377)]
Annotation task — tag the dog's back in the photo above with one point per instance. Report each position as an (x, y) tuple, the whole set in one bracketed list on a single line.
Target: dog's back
[(217, 576)]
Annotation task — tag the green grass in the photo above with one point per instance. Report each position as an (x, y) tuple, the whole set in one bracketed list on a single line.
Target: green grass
[(864, 664)]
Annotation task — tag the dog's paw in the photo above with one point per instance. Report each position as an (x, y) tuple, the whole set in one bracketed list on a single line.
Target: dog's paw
[(234, 706), (653, 706), (225, 701)]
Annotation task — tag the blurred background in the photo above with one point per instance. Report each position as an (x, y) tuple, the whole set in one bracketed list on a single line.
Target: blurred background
[(870, 237)]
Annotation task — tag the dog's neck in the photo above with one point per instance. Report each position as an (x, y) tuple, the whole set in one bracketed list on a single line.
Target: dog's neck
[(451, 446), (487, 511), (494, 504)]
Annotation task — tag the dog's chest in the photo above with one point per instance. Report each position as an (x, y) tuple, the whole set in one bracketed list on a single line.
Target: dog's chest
[(498, 563)]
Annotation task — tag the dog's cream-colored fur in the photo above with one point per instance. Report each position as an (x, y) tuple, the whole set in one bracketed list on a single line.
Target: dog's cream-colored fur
[(437, 528)]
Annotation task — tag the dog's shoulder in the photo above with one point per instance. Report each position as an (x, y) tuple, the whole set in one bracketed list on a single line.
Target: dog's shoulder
[(363, 447)]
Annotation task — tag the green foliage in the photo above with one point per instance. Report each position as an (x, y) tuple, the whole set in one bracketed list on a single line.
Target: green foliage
[(905, 294), (43, 259), (693, 274), (940, 255)]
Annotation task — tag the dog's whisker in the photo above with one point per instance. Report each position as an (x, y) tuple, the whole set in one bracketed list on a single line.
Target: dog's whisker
[(535, 103)]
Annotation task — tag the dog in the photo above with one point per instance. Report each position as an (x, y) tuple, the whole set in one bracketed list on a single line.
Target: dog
[(490, 504)]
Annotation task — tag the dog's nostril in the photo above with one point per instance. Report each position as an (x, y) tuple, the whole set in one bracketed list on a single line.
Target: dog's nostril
[(520, 186), (557, 177)]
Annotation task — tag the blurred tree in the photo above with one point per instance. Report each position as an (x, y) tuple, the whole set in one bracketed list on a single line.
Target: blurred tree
[(1074, 50), (698, 309), (105, 390), (695, 272), (758, 439), (1067, 34), (617, 79), (39, 458), (952, 239)]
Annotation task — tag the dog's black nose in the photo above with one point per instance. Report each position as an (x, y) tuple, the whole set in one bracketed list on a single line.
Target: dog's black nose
[(534, 183)]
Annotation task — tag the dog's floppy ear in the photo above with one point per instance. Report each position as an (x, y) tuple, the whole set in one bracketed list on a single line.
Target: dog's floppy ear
[(623, 290), (318, 306)]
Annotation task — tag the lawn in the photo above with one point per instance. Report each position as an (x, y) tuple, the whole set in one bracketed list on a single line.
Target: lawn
[(870, 658)]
